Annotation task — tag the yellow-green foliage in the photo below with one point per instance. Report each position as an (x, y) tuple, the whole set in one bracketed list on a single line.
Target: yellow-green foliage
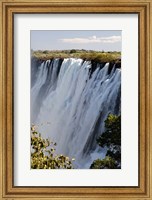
[(43, 154), (98, 56)]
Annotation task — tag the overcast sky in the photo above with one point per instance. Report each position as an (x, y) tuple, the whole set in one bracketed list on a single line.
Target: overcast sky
[(63, 40)]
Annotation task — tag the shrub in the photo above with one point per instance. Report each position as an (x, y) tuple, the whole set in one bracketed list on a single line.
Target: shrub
[(43, 154), (73, 51), (46, 51), (106, 163)]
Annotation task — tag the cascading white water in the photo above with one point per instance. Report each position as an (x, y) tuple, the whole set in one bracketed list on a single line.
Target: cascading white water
[(73, 100)]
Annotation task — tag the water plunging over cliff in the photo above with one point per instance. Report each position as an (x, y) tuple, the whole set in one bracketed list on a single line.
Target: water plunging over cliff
[(72, 98)]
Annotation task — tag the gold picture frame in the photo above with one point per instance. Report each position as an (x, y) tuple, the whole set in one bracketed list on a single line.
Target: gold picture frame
[(8, 9)]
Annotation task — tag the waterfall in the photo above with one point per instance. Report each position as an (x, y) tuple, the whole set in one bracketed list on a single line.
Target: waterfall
[(70, 100)]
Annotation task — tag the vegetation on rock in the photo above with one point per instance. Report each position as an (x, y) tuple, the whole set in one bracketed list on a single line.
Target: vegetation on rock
[(97, 56), (106, 163)]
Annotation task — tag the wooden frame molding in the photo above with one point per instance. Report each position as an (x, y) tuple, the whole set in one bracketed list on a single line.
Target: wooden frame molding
[(144, 10)]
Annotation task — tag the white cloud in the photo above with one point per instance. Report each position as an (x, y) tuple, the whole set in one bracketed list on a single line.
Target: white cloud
[(93, 39)]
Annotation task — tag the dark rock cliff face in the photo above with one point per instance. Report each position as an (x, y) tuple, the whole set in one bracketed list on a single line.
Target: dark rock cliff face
[(34, 66), (112, 64), (35, 62)]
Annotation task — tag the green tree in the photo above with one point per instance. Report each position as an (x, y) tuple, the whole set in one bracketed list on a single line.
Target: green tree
[(43, 154), (111, 139), (73, 51)]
